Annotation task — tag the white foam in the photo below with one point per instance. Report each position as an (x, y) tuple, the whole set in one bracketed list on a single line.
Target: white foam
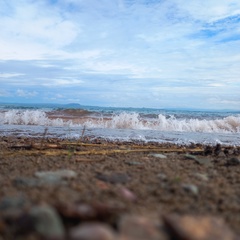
[(30, 117), (229, 124), (125, 120)]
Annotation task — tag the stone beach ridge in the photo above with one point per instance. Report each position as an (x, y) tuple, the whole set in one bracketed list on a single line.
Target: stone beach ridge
[(102, 190)]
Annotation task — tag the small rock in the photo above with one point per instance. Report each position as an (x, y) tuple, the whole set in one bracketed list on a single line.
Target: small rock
[(233, 161), (138, 228), (81, 211), (231, 151), (189, 156), (33, 182), (12, 207), (60, 174), (25, 182), (127, 194), (3, 143), (113, 178), (92, 231), (158, 155), (47, 222), (208, 150), (217, 149), (201, 177), (197, 228), (133, 163), (191, 188), (202, 161), (89, 212), (221, 154), (12, 202), (162, 176)]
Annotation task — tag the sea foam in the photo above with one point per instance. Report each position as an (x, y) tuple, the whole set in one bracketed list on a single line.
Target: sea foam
[(124, 120), (30, 117)]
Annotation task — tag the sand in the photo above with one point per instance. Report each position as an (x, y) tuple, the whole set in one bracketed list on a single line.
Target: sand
[(103, 181)]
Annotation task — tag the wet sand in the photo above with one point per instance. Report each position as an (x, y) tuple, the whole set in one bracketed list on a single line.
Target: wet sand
[(67, 185)]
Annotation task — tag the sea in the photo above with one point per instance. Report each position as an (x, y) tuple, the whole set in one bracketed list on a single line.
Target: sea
[(74, 121)]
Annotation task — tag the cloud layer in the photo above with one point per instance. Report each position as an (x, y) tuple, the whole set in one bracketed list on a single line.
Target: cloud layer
[(139, 53)]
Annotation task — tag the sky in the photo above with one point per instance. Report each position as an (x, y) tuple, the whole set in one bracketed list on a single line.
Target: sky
[(121, 53)]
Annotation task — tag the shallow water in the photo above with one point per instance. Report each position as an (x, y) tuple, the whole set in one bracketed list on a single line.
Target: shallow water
[(181, 138)]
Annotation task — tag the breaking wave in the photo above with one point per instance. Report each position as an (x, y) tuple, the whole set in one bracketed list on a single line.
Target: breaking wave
[(30, 117), (124, 120)]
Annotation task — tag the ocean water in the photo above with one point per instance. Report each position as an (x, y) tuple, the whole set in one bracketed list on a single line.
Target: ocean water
[(123, 124)]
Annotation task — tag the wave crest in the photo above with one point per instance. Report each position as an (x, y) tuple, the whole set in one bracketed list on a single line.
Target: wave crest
[(124, 120), (29, 117)]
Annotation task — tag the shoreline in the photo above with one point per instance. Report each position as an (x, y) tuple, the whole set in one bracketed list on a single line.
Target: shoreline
[(105, 182)]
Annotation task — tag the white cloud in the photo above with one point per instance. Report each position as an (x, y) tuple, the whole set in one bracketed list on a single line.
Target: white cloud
[(216, 85), (23, 93), (209, 11), (34, 31), (59, 82), (10, 75)]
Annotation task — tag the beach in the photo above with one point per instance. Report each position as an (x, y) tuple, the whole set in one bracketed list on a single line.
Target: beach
[(119, 120), (55, 188)]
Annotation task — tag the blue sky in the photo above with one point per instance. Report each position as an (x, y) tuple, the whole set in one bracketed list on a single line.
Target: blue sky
[(129, 53)]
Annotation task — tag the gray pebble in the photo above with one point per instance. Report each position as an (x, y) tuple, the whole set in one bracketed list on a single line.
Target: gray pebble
[(221, 154), (158, 155), (202, 161), (33, 182), (133, 163), (60, 174), (201, 177), (233, 161), (92, 231), (191, 188), (162, 176), (13, 202), (47, 222)]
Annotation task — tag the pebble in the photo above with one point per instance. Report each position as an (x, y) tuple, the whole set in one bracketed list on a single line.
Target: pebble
[(197, 228), (25, 182), (191, 188), (92, 231), (33, 182), (231, 152), (218, 149), (47, 222), (158, 155), (15, 202), (12, 207), (162, 176), (222, 155), (233, 161), (56, 175), (192, 157), (133, 163), (208, 150), (202, 161), (113, 178), (138, 228), (201, 177), (127, 194), (90, 212)]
